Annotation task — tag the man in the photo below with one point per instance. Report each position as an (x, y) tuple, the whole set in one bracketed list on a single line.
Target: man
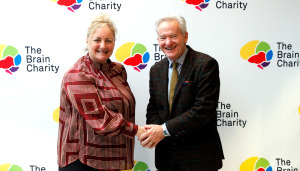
[(185, 133)]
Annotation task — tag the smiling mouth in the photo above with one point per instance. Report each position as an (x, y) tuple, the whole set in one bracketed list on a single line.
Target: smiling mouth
[(171, 48), (102, 51)]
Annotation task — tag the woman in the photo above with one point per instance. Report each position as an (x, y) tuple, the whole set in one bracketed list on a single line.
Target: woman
[(97, 108)]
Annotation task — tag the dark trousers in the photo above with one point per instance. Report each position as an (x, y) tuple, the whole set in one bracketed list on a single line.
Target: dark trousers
[(174, 167), (78, 166)]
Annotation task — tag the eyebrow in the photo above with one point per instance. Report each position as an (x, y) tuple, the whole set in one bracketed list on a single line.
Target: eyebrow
[(164, 35), (104, 38)]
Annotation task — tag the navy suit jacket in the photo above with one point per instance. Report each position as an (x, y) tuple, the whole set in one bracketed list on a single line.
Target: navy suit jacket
[(194, 143)]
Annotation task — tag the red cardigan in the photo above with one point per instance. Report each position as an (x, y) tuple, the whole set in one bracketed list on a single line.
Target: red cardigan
[(97, 116)]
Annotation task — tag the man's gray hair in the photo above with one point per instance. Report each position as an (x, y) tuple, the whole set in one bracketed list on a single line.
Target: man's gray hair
[(179, 19)]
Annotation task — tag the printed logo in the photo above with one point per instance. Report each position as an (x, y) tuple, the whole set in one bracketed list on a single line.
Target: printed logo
[(231, 5), (10, 167), (105, 5), (199, 4), (55, 115), (71, 4), (139, 166), (256, 164), (257, 52), (287, 56), (38, 62), (228, 117), (133, 54), (10, 59)]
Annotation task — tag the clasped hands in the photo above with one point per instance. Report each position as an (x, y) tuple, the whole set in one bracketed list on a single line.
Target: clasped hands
[(150, 135)]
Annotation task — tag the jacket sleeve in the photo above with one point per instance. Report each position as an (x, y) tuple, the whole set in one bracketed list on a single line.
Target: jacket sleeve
[(81, 93)]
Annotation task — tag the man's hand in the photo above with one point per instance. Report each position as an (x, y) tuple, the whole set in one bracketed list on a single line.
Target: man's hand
[(152, 137)]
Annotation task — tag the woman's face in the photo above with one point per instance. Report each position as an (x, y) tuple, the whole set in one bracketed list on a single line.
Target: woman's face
[(101, 44)]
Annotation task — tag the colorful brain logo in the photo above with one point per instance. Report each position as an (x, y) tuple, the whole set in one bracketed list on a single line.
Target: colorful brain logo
[(256, 164), (257, 52), (138, 166), (10, 59), (199, 4), (71, 4), (133, 54), (10, 167)]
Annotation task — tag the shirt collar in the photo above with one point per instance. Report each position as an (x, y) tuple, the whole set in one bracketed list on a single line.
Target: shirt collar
[(179, 60)]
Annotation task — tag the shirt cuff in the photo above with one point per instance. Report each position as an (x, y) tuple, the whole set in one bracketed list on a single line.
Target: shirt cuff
[(165, 129), (130, 129)]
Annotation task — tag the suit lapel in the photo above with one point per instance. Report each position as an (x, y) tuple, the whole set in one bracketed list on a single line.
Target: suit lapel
[(165, 79), (185, 70)]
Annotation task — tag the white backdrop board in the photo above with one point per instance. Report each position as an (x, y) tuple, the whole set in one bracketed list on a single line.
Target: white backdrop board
[(256, 43)]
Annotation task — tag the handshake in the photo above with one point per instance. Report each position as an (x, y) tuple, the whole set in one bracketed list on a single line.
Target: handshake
[(150, 135)]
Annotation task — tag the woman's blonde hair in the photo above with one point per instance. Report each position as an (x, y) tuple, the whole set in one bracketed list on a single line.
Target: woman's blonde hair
[(100, 21)]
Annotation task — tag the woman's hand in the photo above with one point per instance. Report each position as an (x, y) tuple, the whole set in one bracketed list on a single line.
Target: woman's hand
[(140, 131)]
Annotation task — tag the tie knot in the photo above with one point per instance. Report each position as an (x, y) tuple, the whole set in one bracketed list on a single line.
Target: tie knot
[(175, 65)]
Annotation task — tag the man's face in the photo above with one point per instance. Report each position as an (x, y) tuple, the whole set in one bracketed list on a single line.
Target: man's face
[(171, 40)]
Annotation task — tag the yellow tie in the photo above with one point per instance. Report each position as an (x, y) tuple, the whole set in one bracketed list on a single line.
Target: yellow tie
[(174, 79)]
